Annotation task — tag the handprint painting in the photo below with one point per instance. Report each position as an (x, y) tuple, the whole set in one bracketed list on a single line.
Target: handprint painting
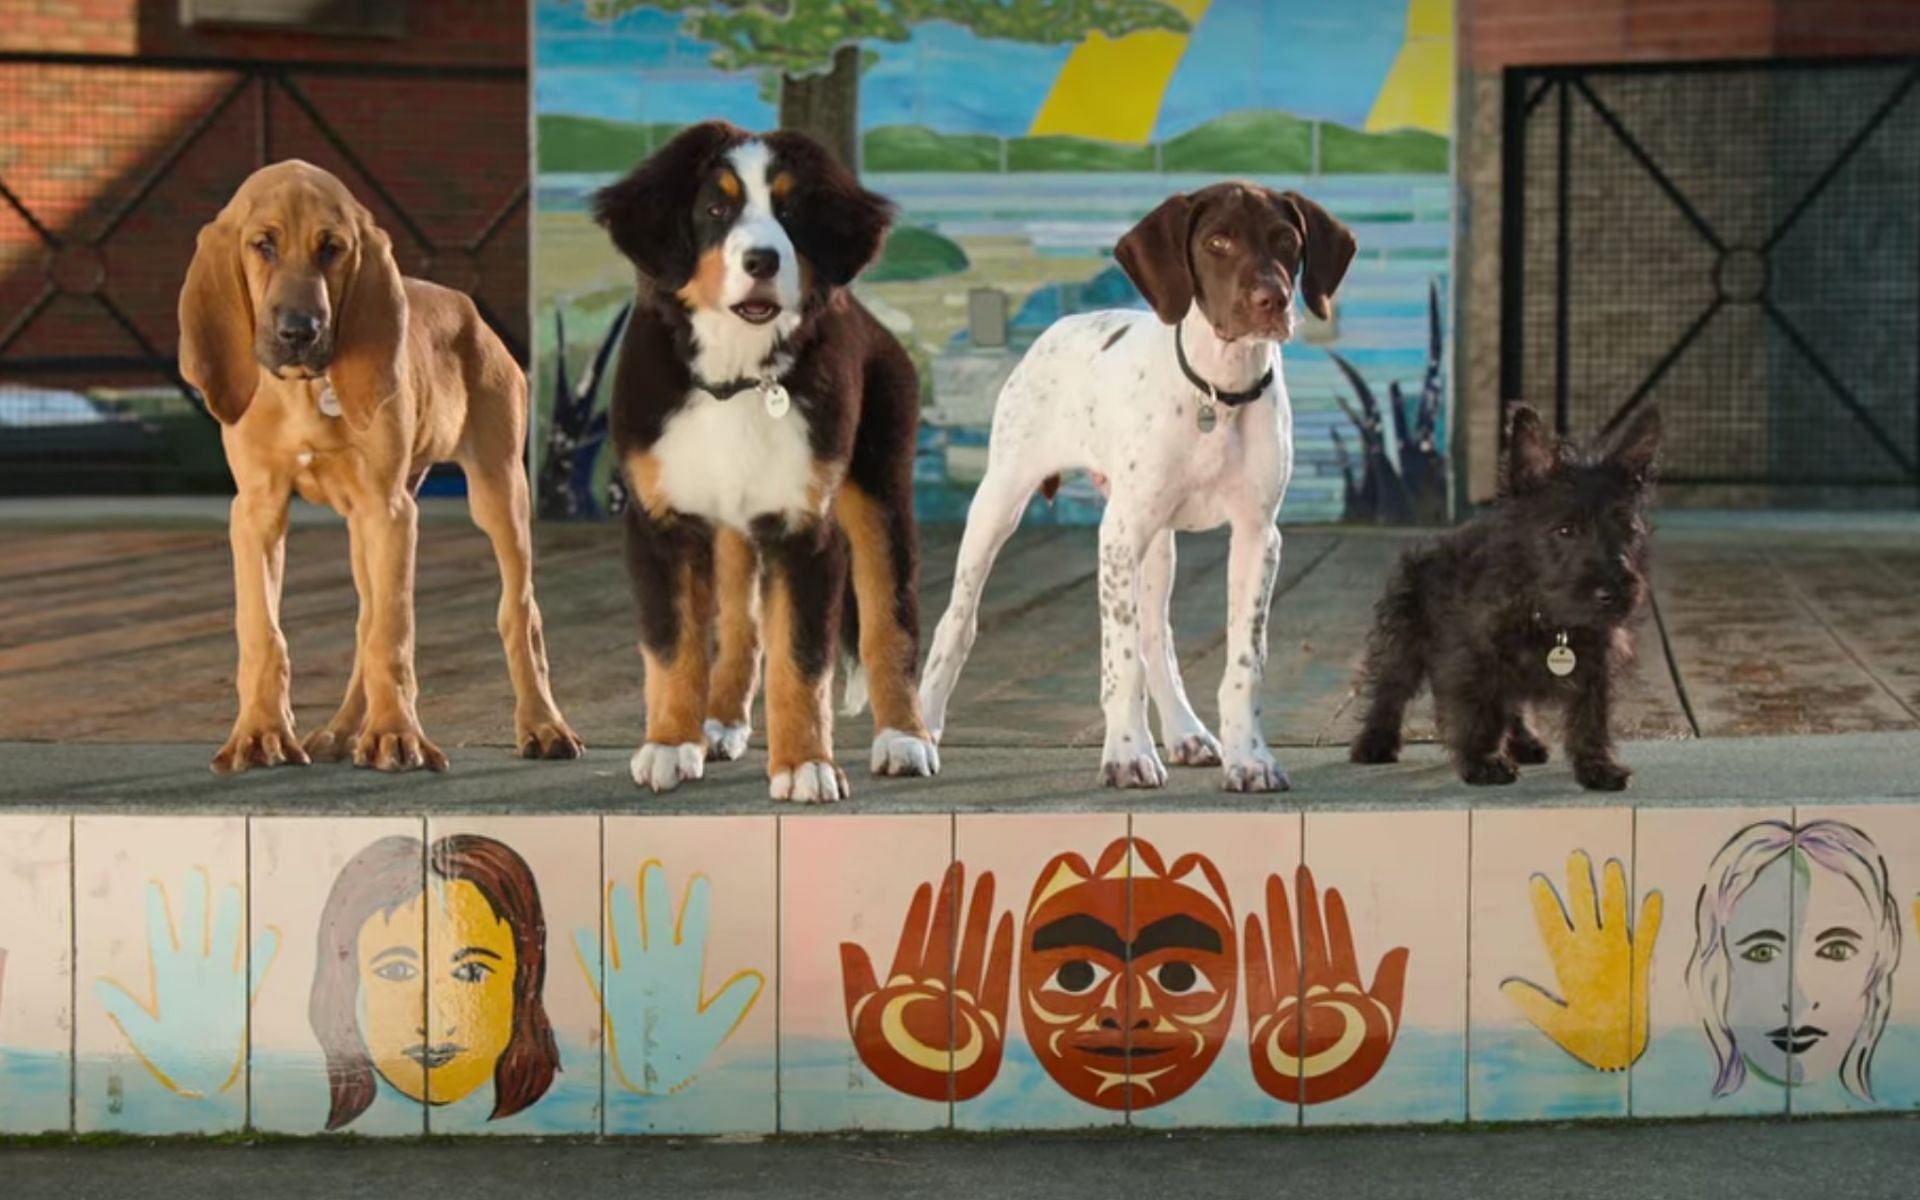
[(430, 983)]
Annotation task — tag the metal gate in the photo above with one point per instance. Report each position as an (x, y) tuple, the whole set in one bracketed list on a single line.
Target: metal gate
[(1737, 242), (108, 167)]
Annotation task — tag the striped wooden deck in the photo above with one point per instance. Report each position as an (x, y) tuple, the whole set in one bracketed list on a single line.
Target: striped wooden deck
[(126, 634)]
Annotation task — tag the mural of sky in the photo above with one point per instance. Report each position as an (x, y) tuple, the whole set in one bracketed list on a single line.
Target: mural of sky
[(1314, 61)]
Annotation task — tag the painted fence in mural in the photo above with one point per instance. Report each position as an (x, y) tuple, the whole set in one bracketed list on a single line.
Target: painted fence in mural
[(1020, 141), (398, 976)]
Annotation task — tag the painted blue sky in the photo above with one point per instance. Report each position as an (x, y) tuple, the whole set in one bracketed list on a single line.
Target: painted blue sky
[(1299, 56)]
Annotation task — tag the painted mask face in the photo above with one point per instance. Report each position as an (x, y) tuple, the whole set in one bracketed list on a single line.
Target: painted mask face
[(437, 1041), (1795, 1023), (1128, 1005)]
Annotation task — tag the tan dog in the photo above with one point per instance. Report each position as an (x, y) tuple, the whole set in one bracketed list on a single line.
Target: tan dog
[(334, 376)]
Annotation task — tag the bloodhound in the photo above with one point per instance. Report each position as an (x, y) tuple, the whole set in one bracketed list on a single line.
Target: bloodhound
[(335, 377)]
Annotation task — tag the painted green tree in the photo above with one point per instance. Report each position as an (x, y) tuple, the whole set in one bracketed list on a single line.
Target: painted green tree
[(814, 46)]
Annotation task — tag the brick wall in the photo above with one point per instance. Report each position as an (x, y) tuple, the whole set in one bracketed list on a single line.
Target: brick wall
[(77, 144), (1494, 34)]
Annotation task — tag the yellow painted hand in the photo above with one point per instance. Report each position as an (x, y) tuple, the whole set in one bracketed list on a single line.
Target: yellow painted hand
[(1600, 962)]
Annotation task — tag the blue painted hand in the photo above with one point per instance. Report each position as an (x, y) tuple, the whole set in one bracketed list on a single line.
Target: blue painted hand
[(661, 1025), (193, 1034)]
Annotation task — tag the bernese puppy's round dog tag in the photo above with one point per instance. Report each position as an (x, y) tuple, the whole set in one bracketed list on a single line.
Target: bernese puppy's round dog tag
[(1561, 660), (778, 402)]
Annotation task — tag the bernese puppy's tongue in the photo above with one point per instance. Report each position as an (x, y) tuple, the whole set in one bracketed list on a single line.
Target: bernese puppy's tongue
[(756, 312)]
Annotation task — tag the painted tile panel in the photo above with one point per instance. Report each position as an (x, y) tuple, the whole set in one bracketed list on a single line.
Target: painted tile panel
[(1212, 870), (1551, 962), (320, 888), (1038, 989), (692, 936), (860, 895), (36, 974), (1856, 958), (1387, 1040), (161, 973), (513, 1029), (1715, 997)]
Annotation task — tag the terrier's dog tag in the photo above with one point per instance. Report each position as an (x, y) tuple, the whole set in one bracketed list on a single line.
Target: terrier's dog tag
[(1561, 659), (778, 402)]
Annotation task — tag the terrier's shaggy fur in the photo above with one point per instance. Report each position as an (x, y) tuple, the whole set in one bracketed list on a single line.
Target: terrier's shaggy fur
[(1559, 559)]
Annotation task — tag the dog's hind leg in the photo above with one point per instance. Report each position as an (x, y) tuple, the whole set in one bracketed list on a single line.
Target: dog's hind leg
[(736, 666), (1523, 744), (1186, 738), (991, 519), (497, 494), (1395, 668)]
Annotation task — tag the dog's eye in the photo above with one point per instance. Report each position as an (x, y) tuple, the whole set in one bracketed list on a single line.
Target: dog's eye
[(264, 248), (1219, 244), (1567, 530), (717, 210), (327, 251)]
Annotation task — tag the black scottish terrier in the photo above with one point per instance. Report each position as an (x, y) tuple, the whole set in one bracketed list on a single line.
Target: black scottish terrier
[(1531, 603)]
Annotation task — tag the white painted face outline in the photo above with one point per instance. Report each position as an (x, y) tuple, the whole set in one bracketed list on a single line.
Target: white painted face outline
[(728, 345)]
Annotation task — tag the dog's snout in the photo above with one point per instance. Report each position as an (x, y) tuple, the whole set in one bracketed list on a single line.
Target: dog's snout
[(297, 330), (761, 262)]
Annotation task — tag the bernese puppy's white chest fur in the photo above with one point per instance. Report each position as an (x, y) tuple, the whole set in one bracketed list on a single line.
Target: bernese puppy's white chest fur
[(730, 461)]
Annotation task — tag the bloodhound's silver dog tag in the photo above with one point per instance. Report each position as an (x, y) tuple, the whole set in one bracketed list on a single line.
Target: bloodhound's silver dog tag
[(1561, 659), (329, 399), (778, 402)]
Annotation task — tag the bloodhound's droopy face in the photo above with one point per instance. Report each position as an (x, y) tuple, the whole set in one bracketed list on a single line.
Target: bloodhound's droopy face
[(1235, 250), (291, 276)]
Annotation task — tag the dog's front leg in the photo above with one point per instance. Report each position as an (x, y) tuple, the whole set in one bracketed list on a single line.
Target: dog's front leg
[(671, 562), (1590, 733), (263, 732), (1128, 758), (390, 737), (1253, 562), (805, 576)]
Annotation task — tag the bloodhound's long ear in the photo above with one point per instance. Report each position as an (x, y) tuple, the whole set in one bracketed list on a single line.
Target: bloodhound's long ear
[(216, 324), (1533, 453), (1154, 254), (1329, 250), (650, 213), (370, 328), (837, 225)]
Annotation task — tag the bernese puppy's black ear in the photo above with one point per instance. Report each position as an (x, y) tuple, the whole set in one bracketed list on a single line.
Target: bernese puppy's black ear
[(650, 213), (836, 225)]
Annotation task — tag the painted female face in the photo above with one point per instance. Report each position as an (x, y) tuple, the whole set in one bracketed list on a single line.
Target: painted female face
[(1799, 941), (1126, 1004), (436, 1027)]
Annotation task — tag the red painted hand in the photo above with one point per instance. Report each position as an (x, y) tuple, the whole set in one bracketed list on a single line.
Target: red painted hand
[(912, 1032), (1314, 1033)]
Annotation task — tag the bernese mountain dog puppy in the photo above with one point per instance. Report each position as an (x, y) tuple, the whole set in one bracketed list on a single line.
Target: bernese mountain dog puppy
[(765, 425)]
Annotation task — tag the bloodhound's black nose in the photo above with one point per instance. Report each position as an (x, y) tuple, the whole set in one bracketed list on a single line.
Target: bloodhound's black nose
[(761, 262), (297, 330)]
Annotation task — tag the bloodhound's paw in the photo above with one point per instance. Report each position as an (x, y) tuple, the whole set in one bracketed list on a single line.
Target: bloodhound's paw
[(664, 766), (899, 753), (396, 747), (726, 743), (258, 744), (810, 783), (1195, 749), (332, 744), (1254, 770), (547, 737)]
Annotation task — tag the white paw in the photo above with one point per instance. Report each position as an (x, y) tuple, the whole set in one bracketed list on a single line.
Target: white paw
[(810, 783), (897, 753), (1130, 769), (725, 743), (663, 766), (1193, 748), (1253, 770)]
